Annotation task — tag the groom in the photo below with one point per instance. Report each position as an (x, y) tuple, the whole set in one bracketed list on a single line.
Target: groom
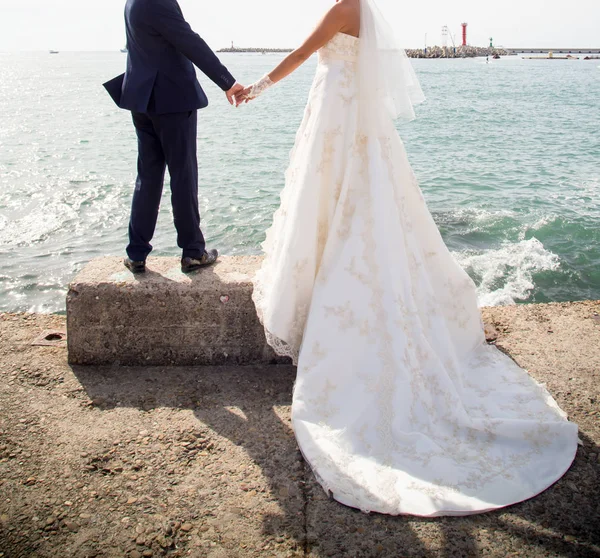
[(161, 91)]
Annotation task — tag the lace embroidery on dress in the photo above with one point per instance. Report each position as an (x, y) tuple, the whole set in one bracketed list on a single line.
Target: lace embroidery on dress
[(338, 54), (340, 47)]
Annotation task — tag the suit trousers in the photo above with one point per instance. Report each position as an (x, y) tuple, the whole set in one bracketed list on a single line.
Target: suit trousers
[(166, 141)]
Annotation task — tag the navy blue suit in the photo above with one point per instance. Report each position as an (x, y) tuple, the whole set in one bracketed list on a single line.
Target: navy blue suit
[(160, 88)]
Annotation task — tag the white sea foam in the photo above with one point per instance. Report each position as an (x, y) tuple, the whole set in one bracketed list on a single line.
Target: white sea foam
[(477, 219), (506, 274), (480, 214), (541, 222)]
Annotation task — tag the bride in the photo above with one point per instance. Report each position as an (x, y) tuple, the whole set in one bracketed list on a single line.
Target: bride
[(400, 406)]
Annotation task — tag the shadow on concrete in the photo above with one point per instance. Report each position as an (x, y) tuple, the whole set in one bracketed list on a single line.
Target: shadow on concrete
[(562, 521)]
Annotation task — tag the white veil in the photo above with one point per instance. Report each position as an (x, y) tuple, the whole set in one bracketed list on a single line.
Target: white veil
[(385, 73)]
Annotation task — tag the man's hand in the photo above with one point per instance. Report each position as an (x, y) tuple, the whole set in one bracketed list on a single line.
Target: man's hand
[(231, 94)]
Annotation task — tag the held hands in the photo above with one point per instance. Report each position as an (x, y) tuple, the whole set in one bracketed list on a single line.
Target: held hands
[(251, 92), (233, 93), (244, 96)]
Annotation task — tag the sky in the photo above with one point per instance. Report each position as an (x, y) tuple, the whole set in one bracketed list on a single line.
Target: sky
[(98, 24)]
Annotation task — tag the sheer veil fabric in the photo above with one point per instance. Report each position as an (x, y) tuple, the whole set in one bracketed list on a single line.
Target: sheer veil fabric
[(386, 78), (399, 406)]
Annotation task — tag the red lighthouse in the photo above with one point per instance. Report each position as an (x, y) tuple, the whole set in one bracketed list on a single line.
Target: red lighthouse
[(464, 26)]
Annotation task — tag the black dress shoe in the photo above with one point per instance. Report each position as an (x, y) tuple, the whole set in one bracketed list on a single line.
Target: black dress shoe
[(135, 267), (192, 264)]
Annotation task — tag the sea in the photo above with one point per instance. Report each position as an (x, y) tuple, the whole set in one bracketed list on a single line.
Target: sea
[(507, 154)]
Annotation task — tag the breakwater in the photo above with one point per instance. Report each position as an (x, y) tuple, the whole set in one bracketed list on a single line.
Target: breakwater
[(429, 52), (455, 52), (256, 50), (561, 50)]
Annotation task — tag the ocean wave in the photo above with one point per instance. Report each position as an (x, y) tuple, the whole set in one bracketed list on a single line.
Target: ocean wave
[(543, 222), (506, 275), (36, 222), (73, 212), (464, 226)]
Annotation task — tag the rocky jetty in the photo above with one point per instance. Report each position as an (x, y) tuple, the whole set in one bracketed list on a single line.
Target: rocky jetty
[(458, 52), (431, 52), (256, 50)]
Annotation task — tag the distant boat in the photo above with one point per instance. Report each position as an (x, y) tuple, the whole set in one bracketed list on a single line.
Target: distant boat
[(54, 52)]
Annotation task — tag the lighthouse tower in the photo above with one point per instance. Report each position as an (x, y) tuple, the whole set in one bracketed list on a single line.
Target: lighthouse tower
[(464, 28)]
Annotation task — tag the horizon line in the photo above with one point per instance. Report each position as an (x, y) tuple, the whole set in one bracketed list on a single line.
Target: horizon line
[(47, 50)]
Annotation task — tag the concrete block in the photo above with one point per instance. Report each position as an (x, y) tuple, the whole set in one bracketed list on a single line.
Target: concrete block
[(165, 317)]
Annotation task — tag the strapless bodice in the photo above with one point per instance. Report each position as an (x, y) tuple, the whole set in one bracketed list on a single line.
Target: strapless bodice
[(340, 47)]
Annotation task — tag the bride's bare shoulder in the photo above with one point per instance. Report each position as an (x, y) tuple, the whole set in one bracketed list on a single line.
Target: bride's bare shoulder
[(347, 6), (348, 13)]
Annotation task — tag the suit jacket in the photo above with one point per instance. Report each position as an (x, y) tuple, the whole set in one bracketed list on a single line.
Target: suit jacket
[(162, 50)]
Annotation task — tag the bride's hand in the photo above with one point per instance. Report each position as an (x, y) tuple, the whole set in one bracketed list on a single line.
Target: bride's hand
[(254, 90), (243, 96)]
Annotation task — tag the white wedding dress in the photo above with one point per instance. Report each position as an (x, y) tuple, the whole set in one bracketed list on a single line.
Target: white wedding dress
[(400, 406)]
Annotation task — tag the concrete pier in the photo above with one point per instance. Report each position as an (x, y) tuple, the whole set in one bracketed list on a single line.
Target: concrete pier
[(202, 461), (164, 317)]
